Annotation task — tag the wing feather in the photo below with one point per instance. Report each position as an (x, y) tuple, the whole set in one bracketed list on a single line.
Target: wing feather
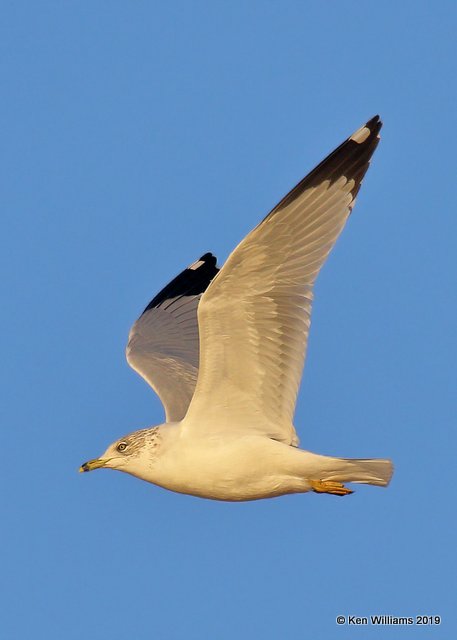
[(163, 345), (254, 318)]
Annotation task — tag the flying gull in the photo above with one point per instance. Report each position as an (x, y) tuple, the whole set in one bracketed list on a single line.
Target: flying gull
[(224, 350)]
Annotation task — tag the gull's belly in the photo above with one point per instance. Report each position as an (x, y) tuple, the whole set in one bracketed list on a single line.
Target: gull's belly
[(246, 468)]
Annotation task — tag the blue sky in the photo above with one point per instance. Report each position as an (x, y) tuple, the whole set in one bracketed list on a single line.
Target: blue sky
[(137, 136)]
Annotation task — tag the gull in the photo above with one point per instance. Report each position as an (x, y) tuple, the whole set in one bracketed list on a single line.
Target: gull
[(224, 349)]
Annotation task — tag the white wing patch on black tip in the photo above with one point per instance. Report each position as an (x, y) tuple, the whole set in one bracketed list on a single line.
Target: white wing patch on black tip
[(196, 265), (360, 135)]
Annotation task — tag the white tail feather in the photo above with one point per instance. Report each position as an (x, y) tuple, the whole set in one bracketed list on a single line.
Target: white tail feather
[(370, 471)]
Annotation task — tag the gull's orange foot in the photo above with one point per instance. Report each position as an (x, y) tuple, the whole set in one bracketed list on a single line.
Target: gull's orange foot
[(335, 488)]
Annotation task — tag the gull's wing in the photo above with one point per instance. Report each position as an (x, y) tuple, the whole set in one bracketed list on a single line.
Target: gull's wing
[(254, 318), (163, 342)]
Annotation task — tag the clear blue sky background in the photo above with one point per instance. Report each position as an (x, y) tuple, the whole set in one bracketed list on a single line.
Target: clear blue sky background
[(135, 137)]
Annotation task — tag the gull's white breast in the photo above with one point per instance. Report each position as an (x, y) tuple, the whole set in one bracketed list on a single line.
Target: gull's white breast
[(226, 468)]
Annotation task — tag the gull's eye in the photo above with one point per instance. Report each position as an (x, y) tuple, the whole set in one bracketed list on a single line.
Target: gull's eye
[(122, 446)]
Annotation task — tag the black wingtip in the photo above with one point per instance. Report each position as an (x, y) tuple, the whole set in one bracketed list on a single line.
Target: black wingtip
[(351, 159), (194, 280), (366, 133), (208, 258), (373, 121)]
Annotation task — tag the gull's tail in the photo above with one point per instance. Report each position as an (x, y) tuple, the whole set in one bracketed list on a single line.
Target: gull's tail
[(375, 471)]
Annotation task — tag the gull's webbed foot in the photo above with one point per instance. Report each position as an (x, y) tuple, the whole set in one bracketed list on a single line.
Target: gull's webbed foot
[(328, 486)]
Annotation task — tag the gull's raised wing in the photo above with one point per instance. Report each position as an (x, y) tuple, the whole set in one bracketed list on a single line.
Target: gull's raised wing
[(163, 345), (254, 318)]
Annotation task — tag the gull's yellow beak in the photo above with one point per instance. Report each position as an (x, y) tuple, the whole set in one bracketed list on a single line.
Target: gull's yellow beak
[(92, 464)]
